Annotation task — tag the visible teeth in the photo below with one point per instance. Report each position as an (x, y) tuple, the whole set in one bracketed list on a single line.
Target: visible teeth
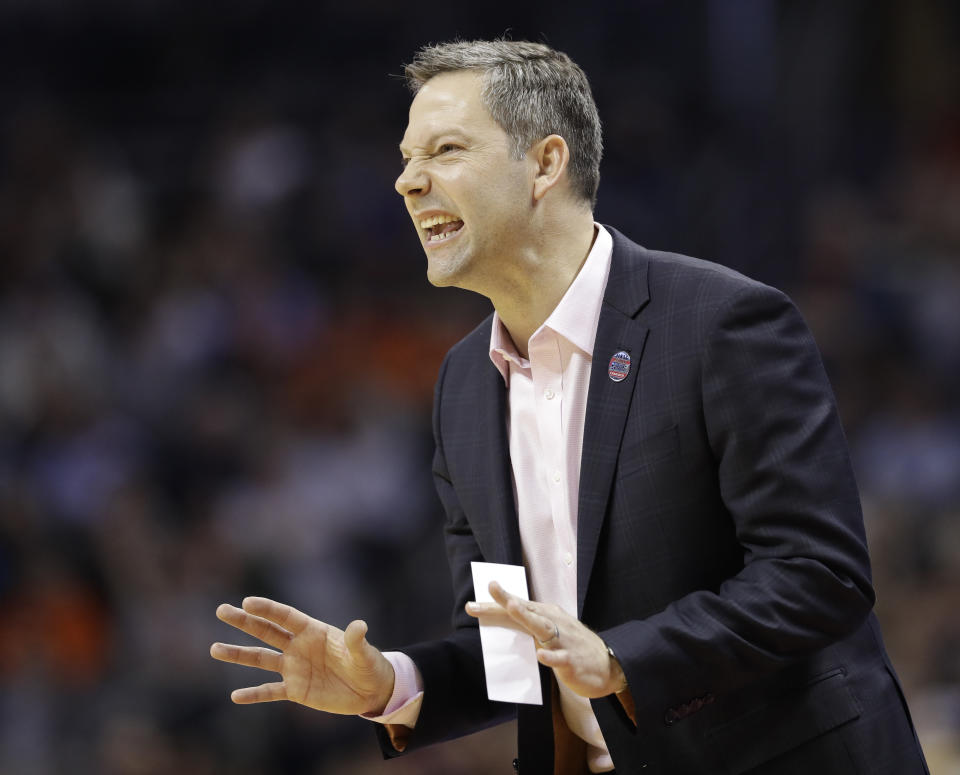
[(441, 237), (436, 220)]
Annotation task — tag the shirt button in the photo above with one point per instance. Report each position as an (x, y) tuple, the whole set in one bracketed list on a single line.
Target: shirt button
[(568, 559), (549, 394), (556, 476)]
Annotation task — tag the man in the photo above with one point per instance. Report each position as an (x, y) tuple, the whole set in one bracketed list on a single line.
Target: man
[(653, 437)]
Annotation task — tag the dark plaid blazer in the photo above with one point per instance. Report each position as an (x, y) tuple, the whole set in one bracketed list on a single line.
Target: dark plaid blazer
[(720, 542)]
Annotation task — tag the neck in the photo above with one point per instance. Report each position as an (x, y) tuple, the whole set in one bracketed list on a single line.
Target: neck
[(546, 271)]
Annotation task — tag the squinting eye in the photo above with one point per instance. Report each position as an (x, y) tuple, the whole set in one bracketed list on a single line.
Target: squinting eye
[(448, 147)]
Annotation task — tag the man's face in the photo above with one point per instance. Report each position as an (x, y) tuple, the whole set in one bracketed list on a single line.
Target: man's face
[(467, 195)]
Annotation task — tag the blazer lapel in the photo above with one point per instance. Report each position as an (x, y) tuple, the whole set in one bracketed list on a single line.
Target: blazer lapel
[(499, 534), (608, 402)]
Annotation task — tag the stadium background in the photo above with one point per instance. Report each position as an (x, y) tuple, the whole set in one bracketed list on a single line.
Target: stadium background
[(217, 345)]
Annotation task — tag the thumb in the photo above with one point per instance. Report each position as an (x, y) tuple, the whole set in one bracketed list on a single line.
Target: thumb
[(356, 641)]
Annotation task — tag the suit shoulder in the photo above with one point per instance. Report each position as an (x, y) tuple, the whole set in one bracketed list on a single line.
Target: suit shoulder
[(687, 297), (673, 269), (668, 274), (702, 291), (700, 295), (472, 348)]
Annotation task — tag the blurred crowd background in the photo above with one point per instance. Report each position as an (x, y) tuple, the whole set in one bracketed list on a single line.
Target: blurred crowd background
[(218, 347)]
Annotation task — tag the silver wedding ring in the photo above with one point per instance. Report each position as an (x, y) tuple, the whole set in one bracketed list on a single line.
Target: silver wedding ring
[(556, 634)]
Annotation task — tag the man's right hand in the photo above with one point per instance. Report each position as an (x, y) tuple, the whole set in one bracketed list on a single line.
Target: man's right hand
[(322, 667)]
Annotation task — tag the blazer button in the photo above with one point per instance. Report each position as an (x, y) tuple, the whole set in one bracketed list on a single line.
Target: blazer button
[(516, 765), (671, 717)]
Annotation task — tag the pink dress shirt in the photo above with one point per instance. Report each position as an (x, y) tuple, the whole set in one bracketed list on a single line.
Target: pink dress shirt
[(546, 410)]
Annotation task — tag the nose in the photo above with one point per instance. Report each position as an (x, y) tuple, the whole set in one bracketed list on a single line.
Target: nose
[(413, 181)]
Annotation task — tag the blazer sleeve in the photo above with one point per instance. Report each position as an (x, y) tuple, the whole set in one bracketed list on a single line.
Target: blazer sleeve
[(785, 478), (454, 684)]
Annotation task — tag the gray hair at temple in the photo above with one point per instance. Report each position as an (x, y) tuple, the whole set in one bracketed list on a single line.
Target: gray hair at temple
[(531, 91)]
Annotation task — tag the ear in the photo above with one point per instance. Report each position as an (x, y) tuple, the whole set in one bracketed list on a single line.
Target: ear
[(551, 156)]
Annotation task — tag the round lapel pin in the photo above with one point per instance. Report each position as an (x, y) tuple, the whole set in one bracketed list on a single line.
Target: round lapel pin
[(619, 366)]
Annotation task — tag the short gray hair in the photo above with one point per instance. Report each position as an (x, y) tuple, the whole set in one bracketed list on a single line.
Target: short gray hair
[(531, 91)]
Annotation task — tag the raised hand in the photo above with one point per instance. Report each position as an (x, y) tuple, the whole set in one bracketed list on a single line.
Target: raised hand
[(322, 667), (578, 656)]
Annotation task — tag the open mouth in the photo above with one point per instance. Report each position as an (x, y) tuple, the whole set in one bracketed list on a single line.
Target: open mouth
[(440, 228)]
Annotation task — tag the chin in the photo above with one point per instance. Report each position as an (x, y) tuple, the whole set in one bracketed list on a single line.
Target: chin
[(439, 281), (446, 273), (444, 280)]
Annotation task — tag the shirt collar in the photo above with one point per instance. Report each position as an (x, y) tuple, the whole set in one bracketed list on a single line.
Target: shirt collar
[(575, 317)]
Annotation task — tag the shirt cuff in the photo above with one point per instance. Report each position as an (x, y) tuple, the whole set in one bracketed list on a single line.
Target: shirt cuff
[(404, 704)]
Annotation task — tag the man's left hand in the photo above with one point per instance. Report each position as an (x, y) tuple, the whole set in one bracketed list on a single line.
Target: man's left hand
[(578, 656)]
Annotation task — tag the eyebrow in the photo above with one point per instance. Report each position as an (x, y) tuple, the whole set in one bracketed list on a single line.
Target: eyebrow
[(453, 134)]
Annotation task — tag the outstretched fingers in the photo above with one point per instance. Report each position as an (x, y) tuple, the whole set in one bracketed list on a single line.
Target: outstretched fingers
[(270, 633), (494, 615), (271, 692), (528, 614), (285, 616), (249, 656)]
